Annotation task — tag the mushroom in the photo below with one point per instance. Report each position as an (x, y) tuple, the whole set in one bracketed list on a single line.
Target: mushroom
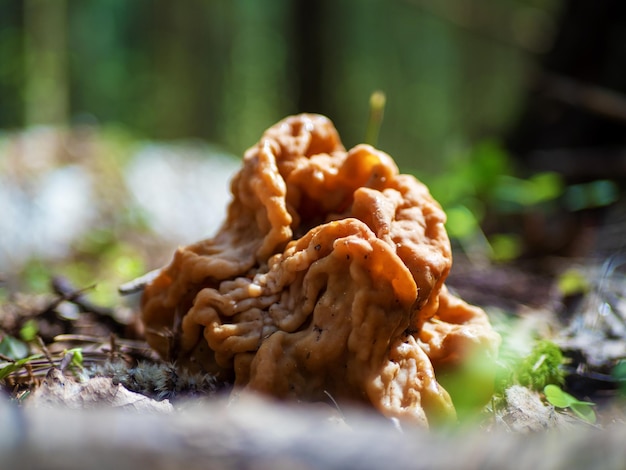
[(327, 277)]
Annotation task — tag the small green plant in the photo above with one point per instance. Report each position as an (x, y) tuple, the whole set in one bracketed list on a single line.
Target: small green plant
[(535, 369), (13, 348), (72, 359), (15, 354), (29, 331), (7, 368), (541, 367), (561, 399)]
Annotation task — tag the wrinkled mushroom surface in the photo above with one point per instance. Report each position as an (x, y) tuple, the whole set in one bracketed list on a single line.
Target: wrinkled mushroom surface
[(326, 278)]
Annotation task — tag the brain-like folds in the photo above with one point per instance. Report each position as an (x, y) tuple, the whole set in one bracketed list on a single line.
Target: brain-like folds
[(326, 279)]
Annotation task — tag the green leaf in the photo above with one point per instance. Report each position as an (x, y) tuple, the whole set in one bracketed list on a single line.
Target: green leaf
[(29, 330), (11, 367), (555, 395), (558, 397), (77, 357), (584, 411), (13, 348), (517, 193), (619, 374), (561, 399), (545, 187)]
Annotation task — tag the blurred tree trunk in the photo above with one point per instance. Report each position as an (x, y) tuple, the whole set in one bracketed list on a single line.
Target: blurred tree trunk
[(181, 68), (308, 53), (12, 64), (46, 82)]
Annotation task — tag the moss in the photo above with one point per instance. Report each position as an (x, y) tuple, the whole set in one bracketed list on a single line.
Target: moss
[(541, 367)]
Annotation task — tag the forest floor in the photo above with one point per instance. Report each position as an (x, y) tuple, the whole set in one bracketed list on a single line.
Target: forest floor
[(63, 330), (58, 334)]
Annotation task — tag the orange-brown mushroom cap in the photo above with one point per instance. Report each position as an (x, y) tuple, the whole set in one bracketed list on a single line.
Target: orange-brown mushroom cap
[(326, 278)]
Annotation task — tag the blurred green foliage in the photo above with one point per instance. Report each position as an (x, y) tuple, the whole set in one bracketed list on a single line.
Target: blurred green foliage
[(573, 282), (225, 70), (29, 331), (76, 361), (480, 184), (481, 181), (523, 359), (106, 260), (7, 368), (619, 375)]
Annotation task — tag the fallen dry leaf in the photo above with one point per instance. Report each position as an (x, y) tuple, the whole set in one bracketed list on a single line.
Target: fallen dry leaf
[(58, 389)]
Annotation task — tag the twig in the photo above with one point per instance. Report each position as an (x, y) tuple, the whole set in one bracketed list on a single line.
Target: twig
[(62, 286), (66, 360), (78, 338), (45, 351), (6, 358), (119, 342), (138, 284), (29, 371), (113, 347), (595, 99)]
